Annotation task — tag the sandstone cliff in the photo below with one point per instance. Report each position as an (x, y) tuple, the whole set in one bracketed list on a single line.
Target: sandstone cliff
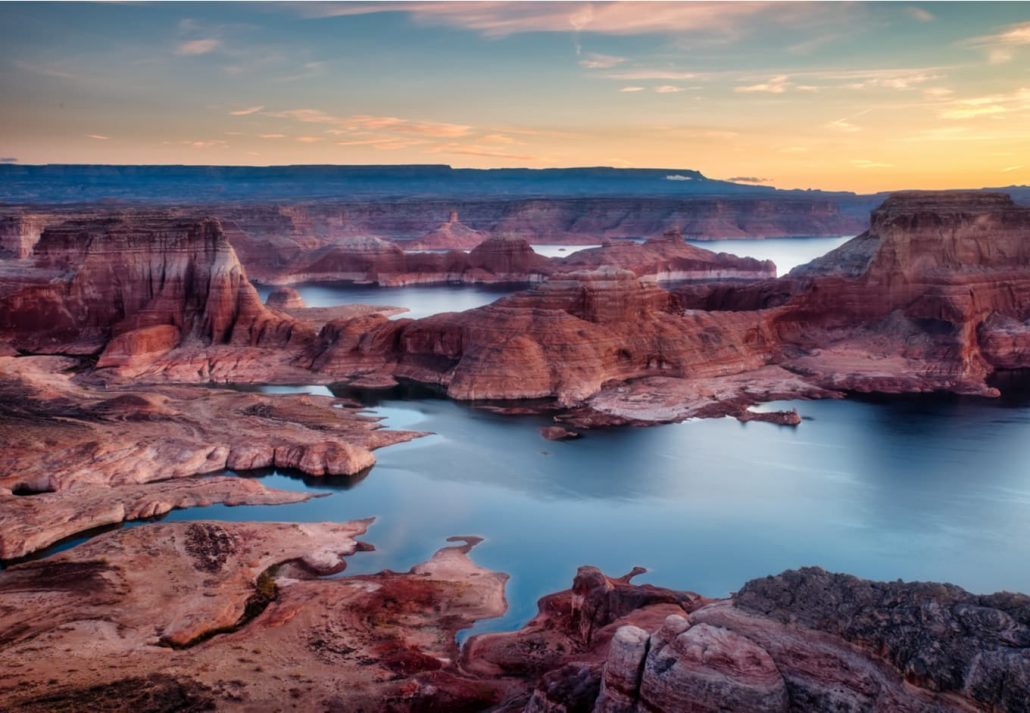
[(137, 284)]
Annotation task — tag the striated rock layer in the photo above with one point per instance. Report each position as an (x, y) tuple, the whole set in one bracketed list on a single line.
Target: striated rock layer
[(134, 284)]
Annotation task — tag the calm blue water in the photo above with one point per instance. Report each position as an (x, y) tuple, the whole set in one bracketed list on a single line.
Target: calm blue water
[(917, 488), (787, 253), (560, 250), (420, 300)]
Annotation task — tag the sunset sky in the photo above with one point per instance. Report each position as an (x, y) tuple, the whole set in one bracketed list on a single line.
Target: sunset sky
[(849, 96)]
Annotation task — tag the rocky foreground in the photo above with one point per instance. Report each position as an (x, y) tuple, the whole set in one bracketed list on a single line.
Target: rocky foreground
[(239, 616)]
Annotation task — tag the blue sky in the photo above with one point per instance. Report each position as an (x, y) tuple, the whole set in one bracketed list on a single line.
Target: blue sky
[(833, 95)]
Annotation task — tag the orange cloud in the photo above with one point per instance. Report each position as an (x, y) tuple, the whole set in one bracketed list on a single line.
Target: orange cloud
[(198, 47)]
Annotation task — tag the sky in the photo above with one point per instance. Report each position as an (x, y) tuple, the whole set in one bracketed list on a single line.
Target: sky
[(841, 96)]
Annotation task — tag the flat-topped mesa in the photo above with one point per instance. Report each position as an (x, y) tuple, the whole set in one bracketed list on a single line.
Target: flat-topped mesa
[(668, 258), (938, 289), (604, 295), (564, 339), (154, 279), (950, 257), (358, 258), (369, 259), (509, 258), (933, 236)]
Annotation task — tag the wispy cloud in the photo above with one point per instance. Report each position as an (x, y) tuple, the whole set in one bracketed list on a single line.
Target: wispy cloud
[(385, 143), (656, 74), (247, 112), (8, 159), (47, 70), (775, 85), (592, 60), (1018, 34), (204, 143), (498, 139), (476, 149), (98, 137), (748, 179), (631, 90), (895, 81), (845, 124), (308, 139), (668, 89), (991, 105), (500, 19), (1001, 45), (865, 163), (365, 122), (921, 14), (271, 136), (1010, 169), (198, 47)]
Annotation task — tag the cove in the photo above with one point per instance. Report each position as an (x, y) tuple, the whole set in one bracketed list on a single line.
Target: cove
[(928, 487)]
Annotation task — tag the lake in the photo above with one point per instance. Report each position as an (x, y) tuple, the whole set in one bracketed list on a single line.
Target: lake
[(420, 300), (926, 487), (787, 253), (920, 487)]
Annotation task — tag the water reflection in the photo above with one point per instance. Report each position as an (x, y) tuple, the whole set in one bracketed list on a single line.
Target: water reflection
[(420, 300), (560, 250)]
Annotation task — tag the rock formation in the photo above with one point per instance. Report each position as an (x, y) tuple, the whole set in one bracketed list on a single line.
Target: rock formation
[(234, 616), (260, 629), (805, 640), (935, 297), (510, 259), (78, 457), (452, 235), (668, 259), (137, 284)]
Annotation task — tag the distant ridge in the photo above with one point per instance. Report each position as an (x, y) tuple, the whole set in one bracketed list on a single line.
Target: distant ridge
[(63, 183)]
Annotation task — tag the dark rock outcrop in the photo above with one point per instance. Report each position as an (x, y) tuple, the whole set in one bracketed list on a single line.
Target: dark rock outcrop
[(805, 640)]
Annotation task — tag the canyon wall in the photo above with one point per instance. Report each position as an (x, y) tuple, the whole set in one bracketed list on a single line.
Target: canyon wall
[(145, 277)]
